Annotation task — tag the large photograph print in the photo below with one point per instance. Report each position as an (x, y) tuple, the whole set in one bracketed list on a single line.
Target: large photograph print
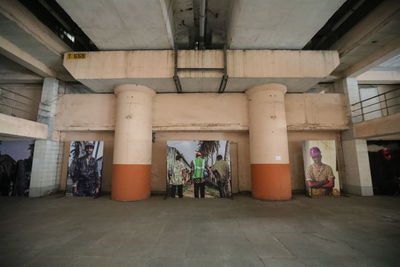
[(16, 159), (321, 175), (198, 169), (85, 168)]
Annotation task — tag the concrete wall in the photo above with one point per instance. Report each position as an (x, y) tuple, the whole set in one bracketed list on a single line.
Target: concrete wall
[(239, 155), (193, 112), (200, 117)]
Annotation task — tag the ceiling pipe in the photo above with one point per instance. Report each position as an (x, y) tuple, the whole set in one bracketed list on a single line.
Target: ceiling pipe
[(202, 22)]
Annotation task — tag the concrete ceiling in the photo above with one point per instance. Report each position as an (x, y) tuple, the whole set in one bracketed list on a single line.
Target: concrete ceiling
[(277, 24), (155, 24), (371, 42), (123, 24), (28, 42), (392, 64), (184, 13), (169, 24), (13, 32)]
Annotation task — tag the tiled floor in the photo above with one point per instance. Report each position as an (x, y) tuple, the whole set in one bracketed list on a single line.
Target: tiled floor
[(59, 231)]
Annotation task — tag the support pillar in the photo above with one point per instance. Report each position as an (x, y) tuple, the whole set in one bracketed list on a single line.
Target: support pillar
[(357, 178), (46, 165), (269, 154), (132, 143)]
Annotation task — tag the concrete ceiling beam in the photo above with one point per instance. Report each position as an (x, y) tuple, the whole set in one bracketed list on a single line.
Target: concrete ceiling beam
[(379, 77), (167, 12), (124, 24), (11, 51), (11, 72), (27, 41), (16, 12), (372, 41), (299, 70), (374, 58), (17, 127), (276, 24)]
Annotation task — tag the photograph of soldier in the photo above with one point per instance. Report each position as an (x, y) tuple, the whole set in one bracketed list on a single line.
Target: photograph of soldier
[(85, 168), (221, 171), (16, 159), (321, 178), (206, 167)]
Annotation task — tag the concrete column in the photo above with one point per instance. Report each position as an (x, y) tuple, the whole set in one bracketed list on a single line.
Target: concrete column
[(358, 178), (132, 143), (46, 163), (357, 171), (269, 156)]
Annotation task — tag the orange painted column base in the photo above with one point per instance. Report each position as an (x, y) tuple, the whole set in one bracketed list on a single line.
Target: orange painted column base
[(130, 182), (271, 181)]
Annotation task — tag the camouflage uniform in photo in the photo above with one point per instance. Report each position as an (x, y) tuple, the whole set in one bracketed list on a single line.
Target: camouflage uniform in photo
[(221, 172), (86, 176)]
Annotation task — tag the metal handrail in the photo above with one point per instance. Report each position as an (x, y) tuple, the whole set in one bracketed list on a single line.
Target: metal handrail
[(375, 110), (385, 100), (375, 96), (362, 107)]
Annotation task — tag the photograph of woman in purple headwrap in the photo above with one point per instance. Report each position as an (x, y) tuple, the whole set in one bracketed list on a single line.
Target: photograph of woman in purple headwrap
[(319, 177)]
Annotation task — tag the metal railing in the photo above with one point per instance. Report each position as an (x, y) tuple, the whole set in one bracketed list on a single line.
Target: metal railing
[(388, 102)]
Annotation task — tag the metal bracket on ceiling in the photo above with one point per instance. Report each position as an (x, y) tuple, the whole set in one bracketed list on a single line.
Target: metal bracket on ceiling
[(177, 80), (224, 79), (176, 77)]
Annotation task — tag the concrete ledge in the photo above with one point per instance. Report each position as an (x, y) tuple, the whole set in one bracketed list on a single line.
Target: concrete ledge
[(17, 127), (385, 126)]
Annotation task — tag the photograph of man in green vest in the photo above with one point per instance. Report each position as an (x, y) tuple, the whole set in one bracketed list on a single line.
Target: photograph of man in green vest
[(198, 167)]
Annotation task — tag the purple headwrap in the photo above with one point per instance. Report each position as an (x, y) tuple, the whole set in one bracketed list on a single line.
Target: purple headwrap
[(315, 152)]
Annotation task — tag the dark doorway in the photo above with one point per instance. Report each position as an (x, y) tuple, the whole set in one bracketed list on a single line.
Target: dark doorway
[(384, 160)]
